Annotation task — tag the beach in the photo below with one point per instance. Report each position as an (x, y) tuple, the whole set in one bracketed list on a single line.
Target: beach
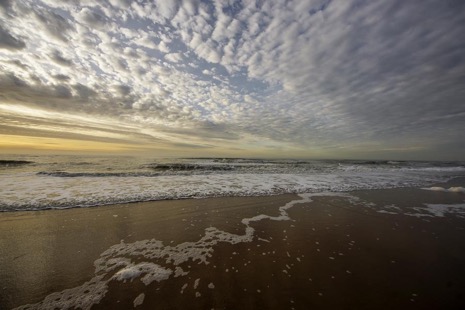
[(240, 155), (384, 249)]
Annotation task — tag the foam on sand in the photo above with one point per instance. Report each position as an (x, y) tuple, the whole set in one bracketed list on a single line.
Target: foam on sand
[(456, 189), (128, 262), (117, 262), (153, 272), (440, 210), (427, 210), (139, 300)]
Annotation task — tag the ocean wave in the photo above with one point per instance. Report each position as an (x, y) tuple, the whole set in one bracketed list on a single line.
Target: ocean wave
[(189, 167), (35, 192), (66, 182), (14, 163), (441, 169), (65, 174)]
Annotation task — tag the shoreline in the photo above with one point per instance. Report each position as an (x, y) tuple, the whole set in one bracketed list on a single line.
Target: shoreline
[(69, 242), (459, 180)]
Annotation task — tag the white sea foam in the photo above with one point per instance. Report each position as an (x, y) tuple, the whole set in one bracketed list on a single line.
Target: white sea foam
[(116, 264), (139, 300), (178, 272), (441, 169), (153, 272), (440, 210), (427, 209), (31, 191), (196, 283), (386, 212), (81, 297), (456, 189)]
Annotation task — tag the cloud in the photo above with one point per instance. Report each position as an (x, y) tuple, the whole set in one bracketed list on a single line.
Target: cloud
[(167, 9), (9, 81), (19, 90), (163, 47), (60, 59), (92, 18), (39, 123), (61, 77), (63, 91), (5, 5), (7, 41), (84, 92), (123, 90), (308, 75), (55, 25), (174, 57), (123, 4)]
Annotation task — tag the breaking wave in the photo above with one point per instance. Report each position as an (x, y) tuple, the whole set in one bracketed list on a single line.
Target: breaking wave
[(67, 182)]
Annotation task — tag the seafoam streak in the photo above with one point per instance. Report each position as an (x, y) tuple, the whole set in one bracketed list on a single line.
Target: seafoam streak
[(116, 263)]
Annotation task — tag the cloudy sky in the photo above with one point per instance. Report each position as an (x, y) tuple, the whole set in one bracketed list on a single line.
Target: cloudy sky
[(302, 78)]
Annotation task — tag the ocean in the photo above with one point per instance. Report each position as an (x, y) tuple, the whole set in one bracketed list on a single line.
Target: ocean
[(60, 182), (356, 234)]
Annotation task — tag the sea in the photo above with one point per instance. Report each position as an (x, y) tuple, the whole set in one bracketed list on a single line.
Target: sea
[(43, 182)]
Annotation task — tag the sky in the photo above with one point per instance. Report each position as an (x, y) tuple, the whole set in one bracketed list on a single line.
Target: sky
[(305, 78)]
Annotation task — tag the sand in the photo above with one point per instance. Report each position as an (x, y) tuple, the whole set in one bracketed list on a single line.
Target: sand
[(379, 249)]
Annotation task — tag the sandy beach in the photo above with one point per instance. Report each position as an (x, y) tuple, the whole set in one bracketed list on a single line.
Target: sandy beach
[(377, 249), (265, 154)]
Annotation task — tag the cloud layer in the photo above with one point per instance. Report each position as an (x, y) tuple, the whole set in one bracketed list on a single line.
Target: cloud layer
[(289, 78)]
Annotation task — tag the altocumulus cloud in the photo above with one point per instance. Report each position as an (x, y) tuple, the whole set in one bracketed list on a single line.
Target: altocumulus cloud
[(332, 78), (7, 41)]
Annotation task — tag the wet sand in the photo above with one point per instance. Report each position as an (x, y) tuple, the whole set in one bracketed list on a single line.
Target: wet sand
[(383, 250)]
